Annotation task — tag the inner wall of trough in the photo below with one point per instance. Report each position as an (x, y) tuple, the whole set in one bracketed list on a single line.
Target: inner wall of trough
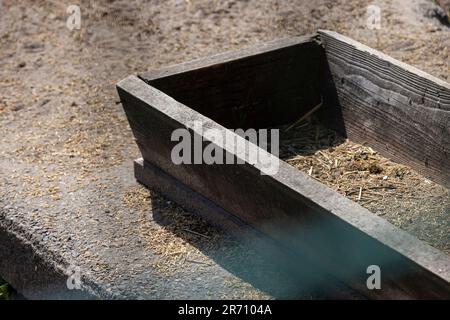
[(277, 88), (260, 91)]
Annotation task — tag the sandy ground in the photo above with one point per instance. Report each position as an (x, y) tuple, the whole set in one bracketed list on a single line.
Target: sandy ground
[(65, 145)]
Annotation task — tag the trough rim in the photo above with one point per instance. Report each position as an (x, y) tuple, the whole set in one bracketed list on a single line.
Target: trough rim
[(293, 180)]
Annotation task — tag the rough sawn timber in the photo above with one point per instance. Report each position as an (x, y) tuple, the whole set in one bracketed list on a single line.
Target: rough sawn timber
[(400, 111)]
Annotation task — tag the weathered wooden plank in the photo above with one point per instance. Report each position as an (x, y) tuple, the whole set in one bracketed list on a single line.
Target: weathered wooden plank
[(248, 87), (395, 108), (336, 235), (298, 268)]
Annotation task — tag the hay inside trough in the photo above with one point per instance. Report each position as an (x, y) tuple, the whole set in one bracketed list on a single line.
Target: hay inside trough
[(396, 192)]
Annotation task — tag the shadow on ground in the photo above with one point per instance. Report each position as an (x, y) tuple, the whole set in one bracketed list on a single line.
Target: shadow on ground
[(256, 261)]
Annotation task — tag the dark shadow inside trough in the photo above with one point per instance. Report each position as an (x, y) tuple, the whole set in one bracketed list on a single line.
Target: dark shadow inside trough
[(265, 90), (257, 261), (330, 237)]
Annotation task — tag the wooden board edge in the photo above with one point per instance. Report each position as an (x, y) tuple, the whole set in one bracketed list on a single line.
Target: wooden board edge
[(225, 57), (362, 47), (420, 253)]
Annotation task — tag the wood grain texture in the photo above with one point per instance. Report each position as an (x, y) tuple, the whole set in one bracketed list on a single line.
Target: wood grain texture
[(263, 85), (398, 110), (297, 268), (321, 227)]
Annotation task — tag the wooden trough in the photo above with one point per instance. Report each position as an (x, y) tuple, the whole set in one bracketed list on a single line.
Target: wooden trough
[(400, 111)]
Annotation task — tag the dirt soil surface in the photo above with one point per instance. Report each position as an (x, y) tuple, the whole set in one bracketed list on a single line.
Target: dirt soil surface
[(66, 149)]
